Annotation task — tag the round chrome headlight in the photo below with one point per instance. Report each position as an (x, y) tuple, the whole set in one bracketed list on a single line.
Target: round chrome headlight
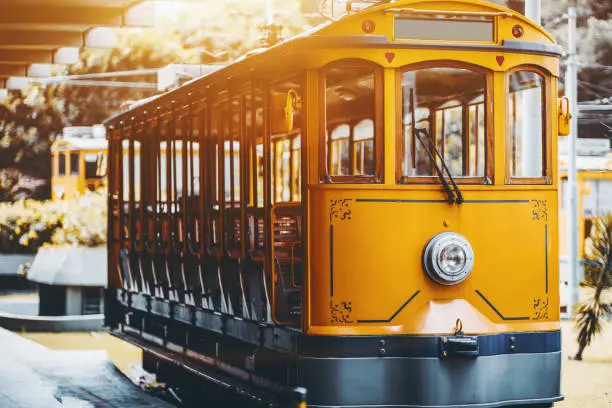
[(448, 258)]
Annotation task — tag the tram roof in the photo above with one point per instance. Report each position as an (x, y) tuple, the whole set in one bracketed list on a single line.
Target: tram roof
[(350, 25), (79, 143)]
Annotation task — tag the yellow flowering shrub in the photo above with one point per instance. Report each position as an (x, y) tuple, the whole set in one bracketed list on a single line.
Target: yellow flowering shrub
[(26, 225)]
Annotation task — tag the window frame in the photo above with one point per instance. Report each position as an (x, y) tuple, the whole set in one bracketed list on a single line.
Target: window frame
[(258, 139), (135, 203), (276, 139), (125, 234), (150, 145), (115, 186), (547, 164), (379, 149), (90, 170), (279, 170), (338, 141), (488, 178), (195, 202), (165, 122), (61, 164), (232, 138), (75, 163)]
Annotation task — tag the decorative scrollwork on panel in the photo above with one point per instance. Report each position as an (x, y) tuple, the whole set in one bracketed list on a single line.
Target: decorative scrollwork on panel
[(539, 210), (340, 312), (540, 310), (340, 209)]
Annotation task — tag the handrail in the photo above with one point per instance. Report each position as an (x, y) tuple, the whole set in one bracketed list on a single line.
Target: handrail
[(293, 245)]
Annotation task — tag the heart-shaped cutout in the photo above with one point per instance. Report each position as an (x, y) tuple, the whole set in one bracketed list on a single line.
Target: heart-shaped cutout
[(500, 60), (390, 56)]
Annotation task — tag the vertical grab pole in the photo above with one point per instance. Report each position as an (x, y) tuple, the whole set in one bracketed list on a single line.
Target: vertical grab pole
[(268, 210), (533, 10), (268, 12)]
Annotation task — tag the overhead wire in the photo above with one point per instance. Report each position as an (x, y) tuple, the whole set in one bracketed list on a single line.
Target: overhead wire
[(592, 65), (594, 86), (587, 89), (91, 79), (133, 72), (556, 21), (110, 84)]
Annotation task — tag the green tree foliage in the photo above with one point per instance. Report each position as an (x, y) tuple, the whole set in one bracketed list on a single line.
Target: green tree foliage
[(233, 27), (594, 41), (593, 311), (138, 49), (601, 9), (28, 123), (596, 49)]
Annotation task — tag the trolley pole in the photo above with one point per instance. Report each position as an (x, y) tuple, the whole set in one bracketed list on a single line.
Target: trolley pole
[(571, 91), (533, 10), (269, 12)]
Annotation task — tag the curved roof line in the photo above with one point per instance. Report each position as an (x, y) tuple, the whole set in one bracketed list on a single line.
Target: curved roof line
[(485, 4)]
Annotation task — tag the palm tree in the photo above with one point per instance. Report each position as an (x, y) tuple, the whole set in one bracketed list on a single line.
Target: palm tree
[(593, 311)]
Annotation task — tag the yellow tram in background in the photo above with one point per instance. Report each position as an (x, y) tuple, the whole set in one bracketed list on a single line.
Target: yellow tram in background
[(594, 178), (368, 210), (79, 160), (75, 159)]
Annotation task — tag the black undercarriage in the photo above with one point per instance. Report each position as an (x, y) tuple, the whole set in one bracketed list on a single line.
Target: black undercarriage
[(261, 363)]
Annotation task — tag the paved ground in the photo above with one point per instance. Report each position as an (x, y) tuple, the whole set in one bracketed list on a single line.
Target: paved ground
[(126, 357), (587, 383), (33, 376), (20, 304)]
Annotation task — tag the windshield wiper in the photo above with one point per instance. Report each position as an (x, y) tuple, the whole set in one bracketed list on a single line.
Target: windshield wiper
[(454, 197)]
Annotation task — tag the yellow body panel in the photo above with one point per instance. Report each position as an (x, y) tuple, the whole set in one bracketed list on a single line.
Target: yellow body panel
[(377, 238), (70, 186), (403, 57)]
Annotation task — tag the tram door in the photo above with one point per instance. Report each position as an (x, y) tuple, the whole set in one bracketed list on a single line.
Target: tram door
[(286, 203)]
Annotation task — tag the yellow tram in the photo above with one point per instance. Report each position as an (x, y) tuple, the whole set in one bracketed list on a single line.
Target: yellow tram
[(368, 210), (74, 161), (594, 178)]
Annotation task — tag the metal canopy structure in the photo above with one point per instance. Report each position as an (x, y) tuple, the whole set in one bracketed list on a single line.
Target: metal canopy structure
[(53, 31)]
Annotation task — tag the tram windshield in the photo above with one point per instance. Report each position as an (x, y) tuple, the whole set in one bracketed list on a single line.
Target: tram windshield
[(450, 104)]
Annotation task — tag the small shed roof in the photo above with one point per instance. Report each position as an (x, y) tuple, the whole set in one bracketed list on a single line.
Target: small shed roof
[(82, 138)]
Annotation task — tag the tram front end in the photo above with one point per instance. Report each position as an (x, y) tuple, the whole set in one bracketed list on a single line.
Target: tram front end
[(433, 269)]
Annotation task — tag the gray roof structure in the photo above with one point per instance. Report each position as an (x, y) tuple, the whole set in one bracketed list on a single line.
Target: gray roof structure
[(35, 32)]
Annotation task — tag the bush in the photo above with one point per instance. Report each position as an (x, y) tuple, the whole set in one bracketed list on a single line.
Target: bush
[(26, 225)]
